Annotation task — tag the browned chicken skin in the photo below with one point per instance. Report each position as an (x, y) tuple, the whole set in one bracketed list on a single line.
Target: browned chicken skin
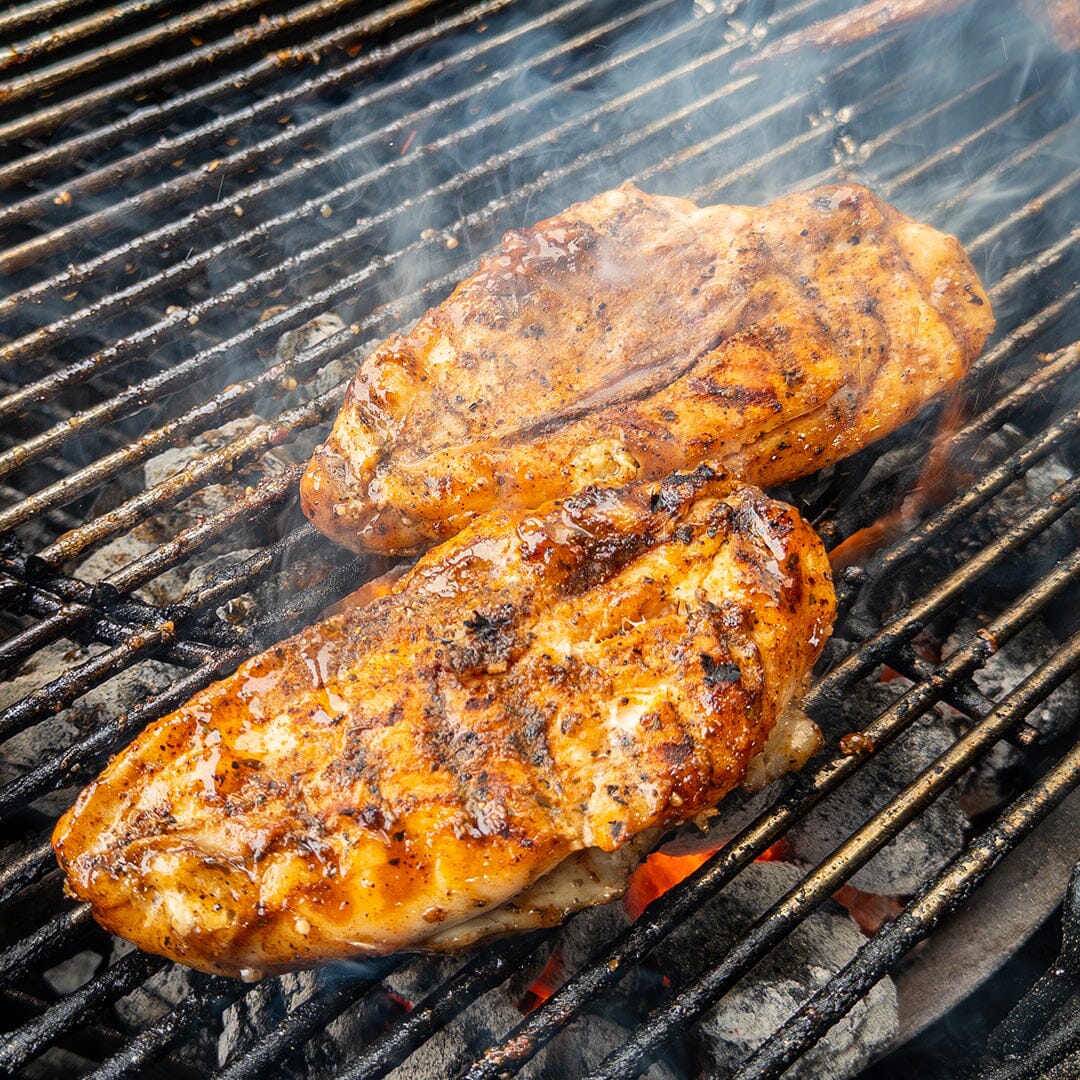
[(632, 335), (545, 687), (1059, 20)]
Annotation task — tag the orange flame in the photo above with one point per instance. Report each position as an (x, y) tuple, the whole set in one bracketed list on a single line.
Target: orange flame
[(547, 982), (661, 872), (937, 483), (870, 910)]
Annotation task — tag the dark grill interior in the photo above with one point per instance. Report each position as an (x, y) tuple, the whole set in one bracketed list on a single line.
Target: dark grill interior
[(186, 185)]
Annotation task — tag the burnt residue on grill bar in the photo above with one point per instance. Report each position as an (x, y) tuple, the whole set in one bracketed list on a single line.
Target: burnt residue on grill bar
[(188, 186)]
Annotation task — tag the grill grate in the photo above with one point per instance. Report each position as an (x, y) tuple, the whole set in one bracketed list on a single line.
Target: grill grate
[(186, 186)]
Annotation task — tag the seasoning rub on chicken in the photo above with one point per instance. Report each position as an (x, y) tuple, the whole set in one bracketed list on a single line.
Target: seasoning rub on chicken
[(538, 694), (634, 334)]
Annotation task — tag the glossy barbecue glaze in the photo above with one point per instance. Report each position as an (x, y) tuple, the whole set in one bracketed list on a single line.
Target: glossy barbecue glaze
[(545, 683), (632, 335)]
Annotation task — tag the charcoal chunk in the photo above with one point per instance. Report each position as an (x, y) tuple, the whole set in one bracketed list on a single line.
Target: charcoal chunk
[(781, 983)]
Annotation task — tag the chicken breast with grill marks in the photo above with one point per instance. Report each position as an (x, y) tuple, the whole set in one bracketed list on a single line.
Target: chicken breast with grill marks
[(541, 693), (632, 335)]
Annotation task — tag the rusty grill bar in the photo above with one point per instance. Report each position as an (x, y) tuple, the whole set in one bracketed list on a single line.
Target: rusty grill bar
[(263, 164)]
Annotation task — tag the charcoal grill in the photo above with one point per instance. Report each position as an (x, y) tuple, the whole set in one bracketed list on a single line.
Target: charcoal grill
[(187, 183)]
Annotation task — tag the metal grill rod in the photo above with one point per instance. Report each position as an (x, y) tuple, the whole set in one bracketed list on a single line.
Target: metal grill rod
[(114, 982), (951, 888), (26, 868), (193, 182), (305, 1020), (72, 764), (950, 517), (177, 69), (48, 78), (36, 950), (201, 1005), (126, 349), (177, 147), (831, 873), (435, 1010), (47, 41), (38, 11), (209, 469), (960, 148)]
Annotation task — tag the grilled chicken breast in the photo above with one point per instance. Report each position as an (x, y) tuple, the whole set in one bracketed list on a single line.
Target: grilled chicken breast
[(633, 335), (535, 695)]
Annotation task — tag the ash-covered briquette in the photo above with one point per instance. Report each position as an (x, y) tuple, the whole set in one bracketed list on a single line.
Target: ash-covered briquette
[(1021, 569), (781, 983), (99, 706), (928, 842), (591, 1038), (111, 698), (66, 977), (157, 996), (991, 781)]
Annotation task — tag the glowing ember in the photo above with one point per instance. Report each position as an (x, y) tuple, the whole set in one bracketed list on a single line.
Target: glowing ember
[(401, 1003), (547, 982), (660, 872), (869, 910), (939, 480)]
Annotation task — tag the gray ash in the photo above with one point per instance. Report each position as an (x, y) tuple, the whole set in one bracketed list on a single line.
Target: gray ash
[(781, 983), (927, 843), (992, 780)]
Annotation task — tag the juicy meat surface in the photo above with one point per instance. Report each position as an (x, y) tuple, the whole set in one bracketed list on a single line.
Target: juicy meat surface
[(544, 689), (632, 335)]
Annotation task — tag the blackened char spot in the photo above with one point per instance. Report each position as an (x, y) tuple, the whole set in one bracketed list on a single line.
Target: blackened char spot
[(742, 397), (604, 558), (719, 672), (491, 639), (678, 489)]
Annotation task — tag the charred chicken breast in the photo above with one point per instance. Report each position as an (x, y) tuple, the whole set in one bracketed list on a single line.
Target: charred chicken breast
[(632, 335), (533, 698)]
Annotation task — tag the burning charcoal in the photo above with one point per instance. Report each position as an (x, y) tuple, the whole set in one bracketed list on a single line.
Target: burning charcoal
[(419, 977), (155, 997), (56, 1062), (990, 781), (583, 1046), (781, 983), (928, 842), (102, 704), (1017, 659), (1023, 568), (587, 933), (460, 1041), (67, 977), (495, 1013), (249, 1020)]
